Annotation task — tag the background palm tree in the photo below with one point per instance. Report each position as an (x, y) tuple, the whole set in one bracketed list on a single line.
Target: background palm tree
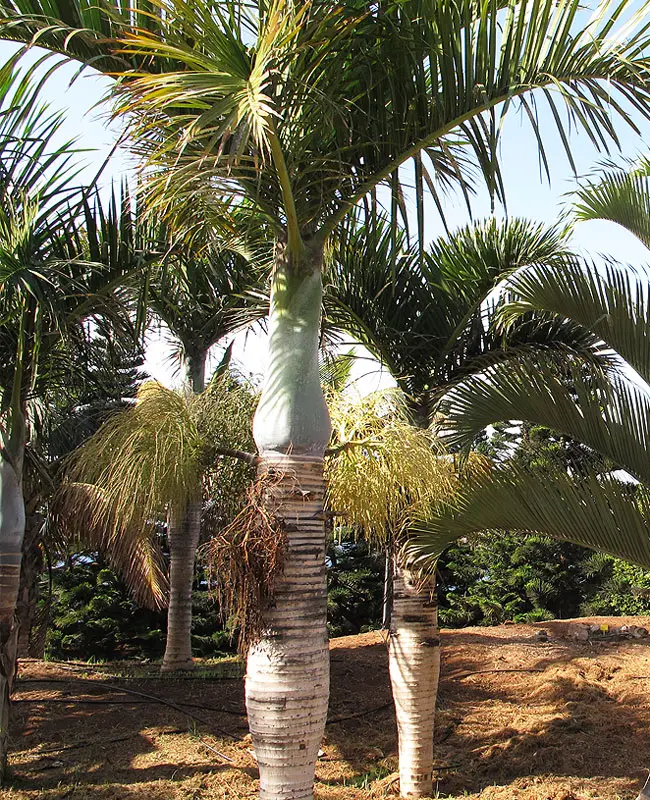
[(198, 292), (304, 110), (435, 335), (49, 288)]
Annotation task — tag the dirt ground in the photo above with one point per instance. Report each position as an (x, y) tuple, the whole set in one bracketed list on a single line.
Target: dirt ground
[(519, 719)]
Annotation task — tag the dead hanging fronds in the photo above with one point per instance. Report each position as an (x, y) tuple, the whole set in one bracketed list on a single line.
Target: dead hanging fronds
[(247, 557)]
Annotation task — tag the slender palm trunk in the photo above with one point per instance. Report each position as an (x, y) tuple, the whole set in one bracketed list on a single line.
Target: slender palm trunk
[(287, 680), (184, 530), (184, 533), (12, 530), (414, 663)]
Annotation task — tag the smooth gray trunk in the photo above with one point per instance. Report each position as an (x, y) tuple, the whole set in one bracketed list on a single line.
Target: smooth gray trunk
[(184, 530), (414, 665)]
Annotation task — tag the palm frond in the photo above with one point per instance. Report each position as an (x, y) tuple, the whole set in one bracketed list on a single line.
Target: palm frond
[(620, 194), (606, 412), (599, 512), (610, 301)]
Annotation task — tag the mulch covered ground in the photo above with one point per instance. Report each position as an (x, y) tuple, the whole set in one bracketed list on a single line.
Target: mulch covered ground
[(519, 719)]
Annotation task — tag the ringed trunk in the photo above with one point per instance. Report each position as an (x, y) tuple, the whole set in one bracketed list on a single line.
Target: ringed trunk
[(287, 680), (12, 530), (184, 532), (414, 665)]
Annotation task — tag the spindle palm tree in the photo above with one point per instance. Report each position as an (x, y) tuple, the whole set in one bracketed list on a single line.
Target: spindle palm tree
[(436, 334), (607, 412), (198, 292), (304, 109)]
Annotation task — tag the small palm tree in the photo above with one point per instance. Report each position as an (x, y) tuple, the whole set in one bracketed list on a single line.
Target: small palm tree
[(607, 411), (153, 462), (437, 334)]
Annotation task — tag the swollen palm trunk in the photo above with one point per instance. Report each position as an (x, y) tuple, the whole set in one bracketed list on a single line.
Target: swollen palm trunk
[(12, 529), (287, 680), (184, 532), (414, 662)]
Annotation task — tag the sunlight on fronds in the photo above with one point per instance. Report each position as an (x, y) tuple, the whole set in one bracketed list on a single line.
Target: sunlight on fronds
[(247, 557), (144, 459), (83, 517), (595, 511), (383, 467)]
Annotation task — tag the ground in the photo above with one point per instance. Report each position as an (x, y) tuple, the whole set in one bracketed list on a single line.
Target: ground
[(519, 719)]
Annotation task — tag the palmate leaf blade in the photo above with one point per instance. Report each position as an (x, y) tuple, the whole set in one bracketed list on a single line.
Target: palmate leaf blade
[(598, 512)]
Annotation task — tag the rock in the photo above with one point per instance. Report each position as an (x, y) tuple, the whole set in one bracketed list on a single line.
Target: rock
[(581, 633)]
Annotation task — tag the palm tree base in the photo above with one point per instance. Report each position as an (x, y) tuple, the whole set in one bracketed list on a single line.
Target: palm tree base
[(414, 663), (287, 680)]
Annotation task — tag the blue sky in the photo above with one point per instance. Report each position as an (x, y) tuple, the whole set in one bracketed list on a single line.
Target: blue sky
[(528, 193)]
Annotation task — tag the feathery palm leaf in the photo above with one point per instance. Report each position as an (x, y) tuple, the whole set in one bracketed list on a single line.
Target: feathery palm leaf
[(599, 512), (617, 194), (610, 301)]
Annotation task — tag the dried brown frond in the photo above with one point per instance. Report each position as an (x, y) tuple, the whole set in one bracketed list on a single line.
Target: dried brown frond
[(246, 558)]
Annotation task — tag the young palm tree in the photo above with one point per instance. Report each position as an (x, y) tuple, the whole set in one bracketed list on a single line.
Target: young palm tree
[(198, 294), (438, 333), (151, 462), (608, 413), (304, 109)]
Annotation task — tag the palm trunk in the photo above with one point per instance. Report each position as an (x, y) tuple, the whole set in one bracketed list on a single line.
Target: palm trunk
[(183, 532), (287, 681), (28, 593), (414, 662), (12, 530)]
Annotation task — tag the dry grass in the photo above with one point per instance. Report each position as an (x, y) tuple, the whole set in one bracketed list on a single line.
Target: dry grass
[(576, 728)]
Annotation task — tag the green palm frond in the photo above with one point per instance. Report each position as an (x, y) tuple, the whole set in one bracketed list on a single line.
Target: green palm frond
[(599, 512), (427, 317), (606, 412), (618, 194), (608, 300), (305, 108)]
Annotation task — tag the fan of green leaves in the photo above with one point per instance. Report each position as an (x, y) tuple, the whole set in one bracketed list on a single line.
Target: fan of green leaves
[(305, 108), (605, 409)]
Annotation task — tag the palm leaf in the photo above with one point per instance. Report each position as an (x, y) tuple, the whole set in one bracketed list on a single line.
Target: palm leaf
[(599, 512), (609, 301), (620, 195)]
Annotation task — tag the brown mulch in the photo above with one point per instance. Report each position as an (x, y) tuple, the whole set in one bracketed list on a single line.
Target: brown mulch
[(519, 719)]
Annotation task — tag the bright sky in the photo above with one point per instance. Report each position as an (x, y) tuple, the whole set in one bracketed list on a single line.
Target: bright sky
[(528, 194)]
